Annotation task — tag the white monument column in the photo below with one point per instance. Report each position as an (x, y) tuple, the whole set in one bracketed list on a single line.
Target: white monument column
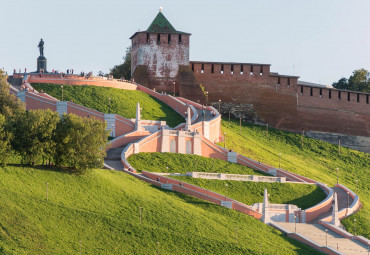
[(188, 120), (138, 117), (265, 215)]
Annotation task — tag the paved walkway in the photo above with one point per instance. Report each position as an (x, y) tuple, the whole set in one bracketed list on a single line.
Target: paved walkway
[(113, 158), (200, 118), (317, 233)]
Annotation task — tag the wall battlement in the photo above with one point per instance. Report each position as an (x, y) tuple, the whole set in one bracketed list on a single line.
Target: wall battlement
[(246, 90)]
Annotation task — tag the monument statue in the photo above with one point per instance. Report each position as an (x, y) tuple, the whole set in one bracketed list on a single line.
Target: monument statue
[(41, 60), (41, 47)]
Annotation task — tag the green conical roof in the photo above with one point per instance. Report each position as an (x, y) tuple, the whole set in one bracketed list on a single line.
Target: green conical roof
[(161, 25)]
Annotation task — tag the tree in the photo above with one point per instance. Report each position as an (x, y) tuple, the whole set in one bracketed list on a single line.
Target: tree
[(9, 104), (124, 69), (34, 133), (81, 142), (358, 81), (5, 147)]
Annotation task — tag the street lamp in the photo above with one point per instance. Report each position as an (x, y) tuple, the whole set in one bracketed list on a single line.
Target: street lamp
[(226, 190), (337, 175), (140, 208), (62, 92), (219, 106), (47, 191), (206, 99), (109, 103), (347, 201), (279, 159), (174, 89), (295, 223), (326, 230), (224, 140), (354, 220)]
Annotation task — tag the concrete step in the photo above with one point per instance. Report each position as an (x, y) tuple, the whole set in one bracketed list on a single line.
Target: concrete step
[(317, 233)]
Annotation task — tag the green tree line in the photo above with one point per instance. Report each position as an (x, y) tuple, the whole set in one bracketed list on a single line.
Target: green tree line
[(41, 136), (123, 70), (358, 81)]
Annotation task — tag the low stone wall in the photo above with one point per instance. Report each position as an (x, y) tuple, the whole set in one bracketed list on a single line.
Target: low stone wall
[(323, 207), (235, 177), (358, 143)]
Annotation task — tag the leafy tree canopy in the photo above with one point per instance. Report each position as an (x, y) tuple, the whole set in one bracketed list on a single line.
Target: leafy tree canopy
[(124, 69), (358, 81), (9, 104)]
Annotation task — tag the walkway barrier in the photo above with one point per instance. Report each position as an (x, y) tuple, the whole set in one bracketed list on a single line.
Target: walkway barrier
[(322, 207)]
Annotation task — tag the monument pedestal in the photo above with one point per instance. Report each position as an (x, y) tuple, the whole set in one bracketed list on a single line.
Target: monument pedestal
[(41, 64)]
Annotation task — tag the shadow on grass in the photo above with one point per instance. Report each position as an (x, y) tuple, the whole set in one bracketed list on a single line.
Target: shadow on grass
[(66, 170)]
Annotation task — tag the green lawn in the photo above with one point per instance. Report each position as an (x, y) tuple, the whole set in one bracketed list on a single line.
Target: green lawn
[(123, 102), (182, 163), (304, 196), (316, 159), (101, 209)]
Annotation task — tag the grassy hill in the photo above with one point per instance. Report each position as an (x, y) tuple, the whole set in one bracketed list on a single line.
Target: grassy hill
[(315, 159), (101, 209), (123, 102), (304, 196)]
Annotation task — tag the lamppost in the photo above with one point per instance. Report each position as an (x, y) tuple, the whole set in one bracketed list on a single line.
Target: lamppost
[(326, 230), (112, 130), (347, 201), (279, 159), (260, 249), (166, 169), (47, 191), (356, 186), (354, 220), (140, 208), (80, 247), (240, 125), (62, 92), (295, 223), (206, 99), (226, 190), (219, 106), (337, 175), (174, 89), (339, 145), (109, 103), (224, 140)]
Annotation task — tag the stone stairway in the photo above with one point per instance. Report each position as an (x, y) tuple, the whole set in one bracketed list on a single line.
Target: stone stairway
[(113, 158), (343, 201), (318, 234), (15, 82)]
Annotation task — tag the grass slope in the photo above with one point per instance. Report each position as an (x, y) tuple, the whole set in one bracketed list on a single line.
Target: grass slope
[(101, 209), (304, 196), (182, 163), (316, 159), (123, 102)]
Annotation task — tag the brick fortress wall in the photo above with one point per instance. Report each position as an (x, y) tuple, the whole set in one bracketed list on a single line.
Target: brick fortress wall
[(252, 92)]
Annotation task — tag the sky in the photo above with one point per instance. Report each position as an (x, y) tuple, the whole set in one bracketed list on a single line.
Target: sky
[(319, 40)]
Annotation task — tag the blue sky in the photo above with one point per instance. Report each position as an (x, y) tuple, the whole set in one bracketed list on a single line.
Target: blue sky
[(321, 41)]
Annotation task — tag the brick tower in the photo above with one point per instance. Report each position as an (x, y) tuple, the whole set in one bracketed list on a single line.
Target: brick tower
[(157, 55)]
